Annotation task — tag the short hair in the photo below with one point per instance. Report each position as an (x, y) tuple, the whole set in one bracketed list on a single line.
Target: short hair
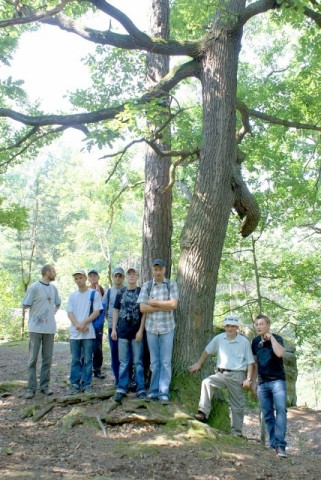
[(263, 317), (46, 268)]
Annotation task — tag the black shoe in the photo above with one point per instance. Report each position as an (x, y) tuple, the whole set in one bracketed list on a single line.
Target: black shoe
[(200, 416), (118, 397), (99, 375)]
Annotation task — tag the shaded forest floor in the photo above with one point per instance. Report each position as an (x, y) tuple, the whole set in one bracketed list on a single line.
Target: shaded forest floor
[(88, 438)]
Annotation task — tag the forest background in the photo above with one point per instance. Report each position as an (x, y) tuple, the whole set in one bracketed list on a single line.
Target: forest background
[(79, 204)]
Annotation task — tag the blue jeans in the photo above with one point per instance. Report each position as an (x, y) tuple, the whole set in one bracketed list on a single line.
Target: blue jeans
[(98, 350), (127, 350), (113, 345), (160, 349), (272, 398), (46, 342), (81, 362)]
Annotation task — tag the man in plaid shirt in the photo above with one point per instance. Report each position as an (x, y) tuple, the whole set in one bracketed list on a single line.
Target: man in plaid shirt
[(158, 298)]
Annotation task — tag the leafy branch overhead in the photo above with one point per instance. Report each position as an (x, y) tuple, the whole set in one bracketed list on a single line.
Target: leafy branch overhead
[(39, 129)]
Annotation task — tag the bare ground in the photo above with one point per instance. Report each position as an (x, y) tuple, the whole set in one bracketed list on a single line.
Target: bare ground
[(93, 440)]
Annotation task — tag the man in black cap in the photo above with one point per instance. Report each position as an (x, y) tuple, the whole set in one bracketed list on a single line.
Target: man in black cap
[(93, 278), (158, 298)]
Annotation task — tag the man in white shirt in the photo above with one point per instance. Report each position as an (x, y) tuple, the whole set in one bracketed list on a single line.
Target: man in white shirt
[(43, 300), (82, 333), (235, 368)]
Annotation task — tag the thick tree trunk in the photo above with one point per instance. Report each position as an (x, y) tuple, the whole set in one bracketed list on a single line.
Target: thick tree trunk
[(205, 228), (157, 223)]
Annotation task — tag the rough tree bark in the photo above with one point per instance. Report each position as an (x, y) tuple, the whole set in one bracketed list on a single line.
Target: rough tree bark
[(157, 222), (205, 228)]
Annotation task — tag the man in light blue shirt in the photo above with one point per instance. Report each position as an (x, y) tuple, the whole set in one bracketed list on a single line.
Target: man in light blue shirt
[(43, 301), (235, 368)]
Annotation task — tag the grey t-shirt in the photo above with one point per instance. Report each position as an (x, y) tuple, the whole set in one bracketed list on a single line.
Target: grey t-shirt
[(42, 299), (110, 305)]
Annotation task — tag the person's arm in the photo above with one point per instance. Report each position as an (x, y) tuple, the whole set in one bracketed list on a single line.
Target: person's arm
[(197, 366), (139, 334), (277, 348), (254, 376), (163, 305), (115, 322), (145, 308), (73, 320)]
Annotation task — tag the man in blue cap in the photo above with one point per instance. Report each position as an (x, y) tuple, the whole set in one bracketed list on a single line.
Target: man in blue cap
[(158, 299)]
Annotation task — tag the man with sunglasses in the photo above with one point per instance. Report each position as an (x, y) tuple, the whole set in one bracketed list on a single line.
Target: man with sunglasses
[(269, 382)]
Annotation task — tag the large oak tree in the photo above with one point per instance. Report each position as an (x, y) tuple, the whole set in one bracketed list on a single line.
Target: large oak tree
[(213, 61)]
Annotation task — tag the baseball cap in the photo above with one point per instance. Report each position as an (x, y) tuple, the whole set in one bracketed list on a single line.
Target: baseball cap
[(80, 271), (132, 268), (93, 271), (119, 270), (231, 320), (159, 261)]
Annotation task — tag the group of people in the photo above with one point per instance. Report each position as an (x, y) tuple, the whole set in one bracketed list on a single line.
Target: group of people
[(131, 314), (240, 366)]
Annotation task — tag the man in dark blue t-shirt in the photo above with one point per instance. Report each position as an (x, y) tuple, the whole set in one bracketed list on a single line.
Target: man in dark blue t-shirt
[(128, 328), (269, 382)]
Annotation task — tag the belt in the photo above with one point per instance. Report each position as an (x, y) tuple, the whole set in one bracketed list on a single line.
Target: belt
[(222, 370)]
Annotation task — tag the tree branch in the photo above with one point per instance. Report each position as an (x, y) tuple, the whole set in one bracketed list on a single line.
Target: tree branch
[(249, 112), (135, 40), (254, 9), (178, 74), (32, 17)]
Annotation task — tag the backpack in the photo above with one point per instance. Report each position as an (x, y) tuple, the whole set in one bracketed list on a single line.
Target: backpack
[(99, 321), (150, 284)]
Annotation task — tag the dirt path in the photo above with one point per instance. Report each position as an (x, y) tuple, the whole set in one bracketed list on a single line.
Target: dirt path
[(46, 450)]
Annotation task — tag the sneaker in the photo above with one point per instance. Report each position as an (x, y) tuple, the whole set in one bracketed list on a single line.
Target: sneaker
[(118, 397), (47, 391), (280, 451), (88, 390), (30, 394), (73, 390), (142, 396), (151, 398), (200, 416), (99, 375), (164, 400)]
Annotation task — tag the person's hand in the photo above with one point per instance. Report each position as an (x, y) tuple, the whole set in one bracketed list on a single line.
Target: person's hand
[(139, 336), (194, 368), (246, 384), (82, 327), (114, 335), (267, 336)]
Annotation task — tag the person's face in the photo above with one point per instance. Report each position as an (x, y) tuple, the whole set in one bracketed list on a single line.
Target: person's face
[(93, 278), (262, 327), (118, 279), (51, 274), (80, 280), (231, 331), (132, 278), (158, 273)]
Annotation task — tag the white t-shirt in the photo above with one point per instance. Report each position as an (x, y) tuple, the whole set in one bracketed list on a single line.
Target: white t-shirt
[(79, 305), (42, 299)]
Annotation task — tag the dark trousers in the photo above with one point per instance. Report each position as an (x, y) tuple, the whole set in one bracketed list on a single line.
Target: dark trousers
[(98, 350)]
